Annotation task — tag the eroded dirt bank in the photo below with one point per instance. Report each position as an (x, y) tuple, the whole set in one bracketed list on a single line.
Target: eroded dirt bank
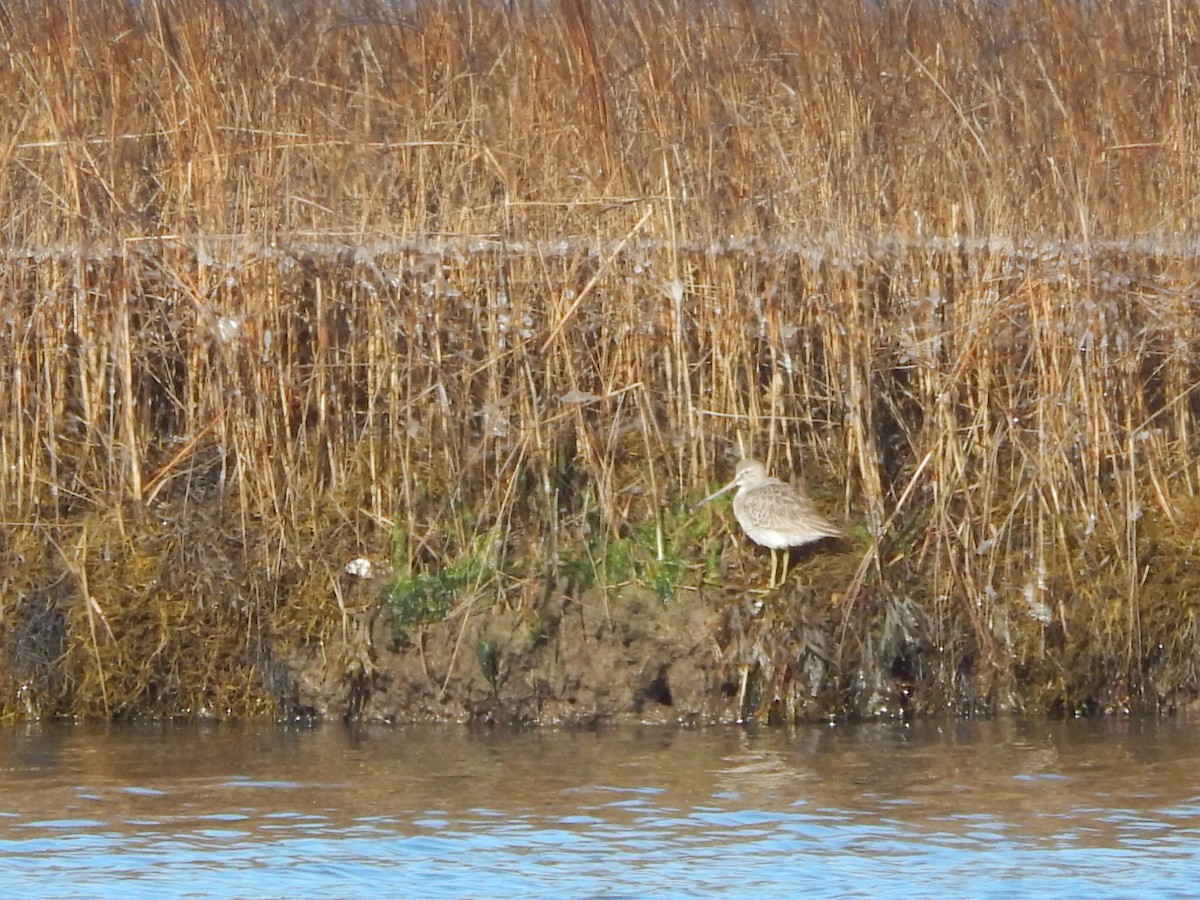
[(161, 617), (713, 652), (578, 663)]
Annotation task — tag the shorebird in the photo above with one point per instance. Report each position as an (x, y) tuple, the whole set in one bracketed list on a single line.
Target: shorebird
[(773, 513)]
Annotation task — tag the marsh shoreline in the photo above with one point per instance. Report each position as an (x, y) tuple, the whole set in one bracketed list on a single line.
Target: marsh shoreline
[(487, 297)]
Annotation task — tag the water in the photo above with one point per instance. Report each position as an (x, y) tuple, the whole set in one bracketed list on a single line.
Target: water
[(987, 809)]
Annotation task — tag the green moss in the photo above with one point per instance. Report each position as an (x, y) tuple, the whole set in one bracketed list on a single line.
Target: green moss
[(417, 598)]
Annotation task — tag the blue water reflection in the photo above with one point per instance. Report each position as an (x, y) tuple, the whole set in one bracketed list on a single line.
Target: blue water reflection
[(986, 809)]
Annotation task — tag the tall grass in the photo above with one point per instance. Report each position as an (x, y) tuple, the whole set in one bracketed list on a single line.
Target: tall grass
[(513, 280)]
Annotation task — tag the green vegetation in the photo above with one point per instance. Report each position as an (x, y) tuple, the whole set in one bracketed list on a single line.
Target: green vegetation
[(421, 598), (489, 291)]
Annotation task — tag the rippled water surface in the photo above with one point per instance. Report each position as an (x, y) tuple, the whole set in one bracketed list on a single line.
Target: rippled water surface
[(966, 808)]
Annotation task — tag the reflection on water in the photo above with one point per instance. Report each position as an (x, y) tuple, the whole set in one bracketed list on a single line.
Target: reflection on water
[(980, 808)]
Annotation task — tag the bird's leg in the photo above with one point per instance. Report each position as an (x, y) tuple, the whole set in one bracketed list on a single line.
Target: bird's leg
[(787, 558), (773, 564)]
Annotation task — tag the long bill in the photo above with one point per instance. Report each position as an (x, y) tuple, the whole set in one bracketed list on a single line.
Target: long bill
[(716, 493)]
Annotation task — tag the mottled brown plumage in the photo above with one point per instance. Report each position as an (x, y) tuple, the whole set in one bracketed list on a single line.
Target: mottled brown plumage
[(774, 513)]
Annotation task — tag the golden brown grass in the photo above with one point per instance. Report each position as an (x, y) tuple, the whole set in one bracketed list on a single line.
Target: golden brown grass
[(506, 282)]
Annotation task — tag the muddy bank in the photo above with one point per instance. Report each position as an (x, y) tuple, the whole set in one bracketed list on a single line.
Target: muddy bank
[(575, 662), (159, 616), (715, 651)]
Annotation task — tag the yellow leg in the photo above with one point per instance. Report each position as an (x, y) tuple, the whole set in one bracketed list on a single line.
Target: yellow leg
[(773, 564), (787, 558)]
